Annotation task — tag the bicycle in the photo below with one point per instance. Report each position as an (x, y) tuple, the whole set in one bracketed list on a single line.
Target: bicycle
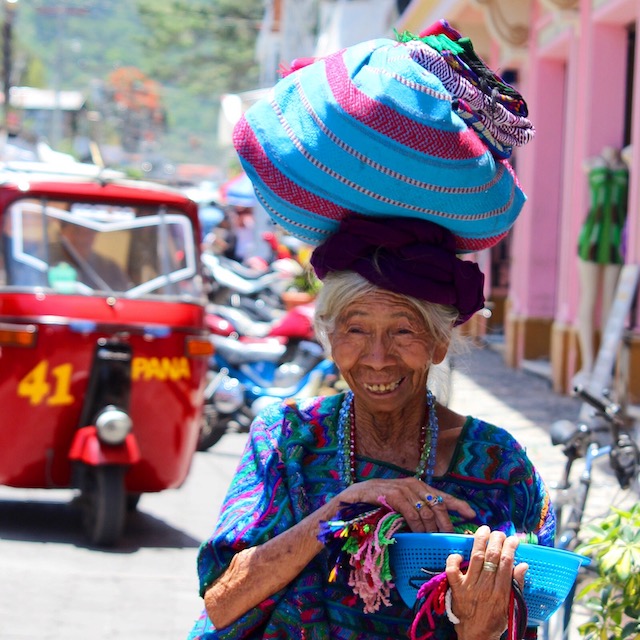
[(608, 431)]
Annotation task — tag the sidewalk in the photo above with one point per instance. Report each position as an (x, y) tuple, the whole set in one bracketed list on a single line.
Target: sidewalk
[(525, 405)]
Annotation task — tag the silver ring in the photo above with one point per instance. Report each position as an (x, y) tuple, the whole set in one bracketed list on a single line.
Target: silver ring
[(434, 500), (491, 567), (418, 505)]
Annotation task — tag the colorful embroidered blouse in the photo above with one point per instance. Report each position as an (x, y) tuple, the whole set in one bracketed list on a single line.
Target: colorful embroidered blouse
[(291, 467)]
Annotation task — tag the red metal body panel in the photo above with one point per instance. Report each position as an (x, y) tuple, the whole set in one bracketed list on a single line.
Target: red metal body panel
[(38, 424), (42, 387)]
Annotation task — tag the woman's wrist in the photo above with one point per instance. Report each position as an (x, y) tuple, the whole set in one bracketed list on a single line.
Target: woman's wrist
[(470, 631), (473, 634)]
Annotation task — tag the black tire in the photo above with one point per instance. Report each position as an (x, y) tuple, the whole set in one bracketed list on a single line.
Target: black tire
[(211, 432), (212, 426), (104, 504), (132, 501)]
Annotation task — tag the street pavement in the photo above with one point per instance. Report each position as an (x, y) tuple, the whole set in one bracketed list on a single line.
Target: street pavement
[(55, 587)]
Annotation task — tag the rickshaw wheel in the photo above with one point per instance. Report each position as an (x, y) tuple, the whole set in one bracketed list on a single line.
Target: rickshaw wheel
[(103, 504), (132, 501)]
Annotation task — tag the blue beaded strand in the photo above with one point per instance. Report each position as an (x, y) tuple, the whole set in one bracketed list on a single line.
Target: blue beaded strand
[(346, 441), (344, 438), (432, 434)]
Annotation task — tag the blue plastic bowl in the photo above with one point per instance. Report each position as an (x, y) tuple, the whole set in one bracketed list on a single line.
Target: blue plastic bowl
[(552, 572)]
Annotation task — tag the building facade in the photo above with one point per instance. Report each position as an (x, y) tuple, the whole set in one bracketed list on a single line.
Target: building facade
[(578, 65)]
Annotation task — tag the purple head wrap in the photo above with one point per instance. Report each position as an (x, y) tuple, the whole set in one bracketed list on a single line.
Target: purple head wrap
[(404, 255)]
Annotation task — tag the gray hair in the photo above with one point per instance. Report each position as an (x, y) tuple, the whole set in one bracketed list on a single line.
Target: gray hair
[(340, 289)]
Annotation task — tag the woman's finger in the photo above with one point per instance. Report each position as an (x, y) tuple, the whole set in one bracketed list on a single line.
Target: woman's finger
[(478, 551), (437, 508), (450, 502), (418, 515), (507, 551), (453, 570), (519, 573)]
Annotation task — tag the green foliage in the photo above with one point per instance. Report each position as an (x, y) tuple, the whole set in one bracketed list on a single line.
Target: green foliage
[(78, 42), (205, 46), (307, 281), (613, 598), (196, 49)]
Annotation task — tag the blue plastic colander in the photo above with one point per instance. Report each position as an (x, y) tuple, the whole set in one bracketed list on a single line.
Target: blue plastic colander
[(416, 557)]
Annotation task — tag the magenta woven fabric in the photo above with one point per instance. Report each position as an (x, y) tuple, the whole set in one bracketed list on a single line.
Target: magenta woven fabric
[(404, 255)]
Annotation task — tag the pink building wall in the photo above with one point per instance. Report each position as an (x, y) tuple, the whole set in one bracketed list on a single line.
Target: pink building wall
[(573, 74), (578, 110), (575, 82)]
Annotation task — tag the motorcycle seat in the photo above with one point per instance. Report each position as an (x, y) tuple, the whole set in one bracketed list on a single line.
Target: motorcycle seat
[(243, 271), (237, 353)]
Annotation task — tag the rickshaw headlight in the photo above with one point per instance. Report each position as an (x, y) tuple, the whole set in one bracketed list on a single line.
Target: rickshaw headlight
[(113, 425)]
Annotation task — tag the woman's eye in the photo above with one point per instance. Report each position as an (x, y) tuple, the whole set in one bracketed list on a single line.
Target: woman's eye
[(355, 330)]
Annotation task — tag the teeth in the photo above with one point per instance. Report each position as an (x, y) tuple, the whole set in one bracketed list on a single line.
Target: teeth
[(380, 388)]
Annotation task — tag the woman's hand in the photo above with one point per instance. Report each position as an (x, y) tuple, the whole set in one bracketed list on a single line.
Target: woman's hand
[(480, 597), (424, 509)]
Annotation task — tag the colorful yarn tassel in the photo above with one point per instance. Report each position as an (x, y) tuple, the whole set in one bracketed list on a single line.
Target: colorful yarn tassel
[(359, 538), (430, 607)]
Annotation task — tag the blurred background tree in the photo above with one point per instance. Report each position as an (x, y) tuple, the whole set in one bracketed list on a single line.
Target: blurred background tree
[(184, 54)]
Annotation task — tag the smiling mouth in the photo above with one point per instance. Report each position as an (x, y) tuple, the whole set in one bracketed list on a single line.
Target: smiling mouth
[(382, 388)]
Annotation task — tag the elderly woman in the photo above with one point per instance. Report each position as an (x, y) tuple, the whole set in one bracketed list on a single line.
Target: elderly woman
[(393, 291)]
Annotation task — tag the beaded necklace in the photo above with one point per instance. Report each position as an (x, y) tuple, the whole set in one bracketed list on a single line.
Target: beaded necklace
[(347, 440)]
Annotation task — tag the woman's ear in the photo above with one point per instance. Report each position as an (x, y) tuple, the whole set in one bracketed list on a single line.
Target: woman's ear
[(439, 352)]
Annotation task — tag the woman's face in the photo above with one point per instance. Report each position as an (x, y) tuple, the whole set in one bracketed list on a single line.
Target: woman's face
[(383, 349)]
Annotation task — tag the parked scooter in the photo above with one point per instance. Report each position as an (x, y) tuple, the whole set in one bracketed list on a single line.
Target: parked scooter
[(245, 376), (257, 292), (293, 325)]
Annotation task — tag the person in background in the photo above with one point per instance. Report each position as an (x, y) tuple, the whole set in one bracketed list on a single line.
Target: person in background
[(244, 226), (391, 159), (76, 248), (241, 244)]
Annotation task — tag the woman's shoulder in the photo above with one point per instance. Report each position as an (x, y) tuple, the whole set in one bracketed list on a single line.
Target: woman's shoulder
[(478, 430), (292, 413), (486, 444)]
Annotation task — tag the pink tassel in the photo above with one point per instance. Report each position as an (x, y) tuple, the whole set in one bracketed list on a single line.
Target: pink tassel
[(435, 591), (296, 64), (368, 577)]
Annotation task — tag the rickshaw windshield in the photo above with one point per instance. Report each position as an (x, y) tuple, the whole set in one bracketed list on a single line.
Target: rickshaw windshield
[(81, 248)]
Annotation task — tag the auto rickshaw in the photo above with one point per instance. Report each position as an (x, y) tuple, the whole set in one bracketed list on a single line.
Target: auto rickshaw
[(103, 342)]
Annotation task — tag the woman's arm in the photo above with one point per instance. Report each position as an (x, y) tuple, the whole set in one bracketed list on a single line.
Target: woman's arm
[(256, 573)]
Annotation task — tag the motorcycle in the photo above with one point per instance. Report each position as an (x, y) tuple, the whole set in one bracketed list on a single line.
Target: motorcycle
[(294, 325), (103, 341), (258, 292), (246, 375)]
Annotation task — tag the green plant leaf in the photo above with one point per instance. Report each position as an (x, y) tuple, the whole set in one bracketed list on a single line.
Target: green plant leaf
[(611, 558), (613, 598), (624, 566)]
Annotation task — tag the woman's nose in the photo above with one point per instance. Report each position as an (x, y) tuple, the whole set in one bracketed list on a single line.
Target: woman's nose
[(378, 352)]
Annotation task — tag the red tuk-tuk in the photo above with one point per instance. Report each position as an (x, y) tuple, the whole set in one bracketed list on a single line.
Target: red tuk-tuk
[(103, 342)]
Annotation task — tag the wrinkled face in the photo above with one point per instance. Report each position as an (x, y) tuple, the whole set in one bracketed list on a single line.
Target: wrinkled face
[(383, 349)]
